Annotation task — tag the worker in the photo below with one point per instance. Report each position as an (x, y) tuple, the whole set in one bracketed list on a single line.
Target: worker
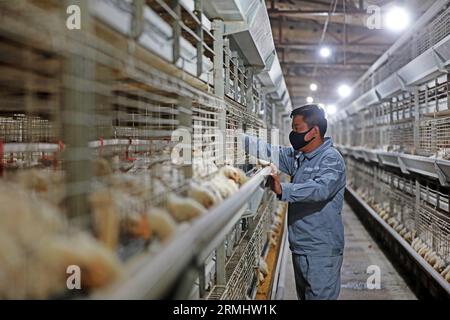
[(315, 196)]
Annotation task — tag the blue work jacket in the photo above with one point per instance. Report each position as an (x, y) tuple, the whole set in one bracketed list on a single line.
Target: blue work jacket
[(315, 194)]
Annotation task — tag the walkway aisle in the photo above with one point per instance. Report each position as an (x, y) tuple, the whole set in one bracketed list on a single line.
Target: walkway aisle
[(360, 252)]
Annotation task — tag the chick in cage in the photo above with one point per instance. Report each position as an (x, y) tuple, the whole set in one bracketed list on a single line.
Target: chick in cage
[(34, 235)]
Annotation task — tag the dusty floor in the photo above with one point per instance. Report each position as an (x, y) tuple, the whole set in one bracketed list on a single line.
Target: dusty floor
[(360, 252)]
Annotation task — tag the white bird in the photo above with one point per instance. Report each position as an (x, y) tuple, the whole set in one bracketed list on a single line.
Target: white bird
[(184, 209), (439, 265), (263, 267), (432, 258), (423, 251), (101, 167), (235, 174), (229, 172), (399, 227), (408, 236), (202, 195), (259, 276), (33, 233), (415, 242), (403, 232), (106, 218), (224, 185), (47, 184), (272, 237), (99, 266), (161, 223), (445, 271), (263, 163)]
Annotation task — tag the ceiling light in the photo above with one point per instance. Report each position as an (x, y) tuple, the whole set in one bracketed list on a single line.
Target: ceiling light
[(325, 52), (344, 90), (397, 19), (310, 100), (313, 87)]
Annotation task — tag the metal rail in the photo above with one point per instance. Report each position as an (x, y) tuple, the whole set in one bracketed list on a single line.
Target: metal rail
[(156, 275)]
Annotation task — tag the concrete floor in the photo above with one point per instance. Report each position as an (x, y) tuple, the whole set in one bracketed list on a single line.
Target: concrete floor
[(360, 252)]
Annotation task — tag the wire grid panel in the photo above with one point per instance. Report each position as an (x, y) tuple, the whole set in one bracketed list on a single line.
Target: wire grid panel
[(397, 195), (402, 107), (206, 139), (267, 218), (150, 114), (404, 196), (235, 115), (139, 115), (420, 42), (434, 229), (401, 137), (134, 100), (30, 96), (434, 32), (433, 96), (21, 127), (435, 137), (245, 261), (442, 93)]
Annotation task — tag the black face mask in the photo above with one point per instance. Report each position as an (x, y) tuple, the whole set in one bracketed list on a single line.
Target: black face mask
[(297, 139)]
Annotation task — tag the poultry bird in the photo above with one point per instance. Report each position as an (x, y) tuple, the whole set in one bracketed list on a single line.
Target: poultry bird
[(162, 223), (184, 209)]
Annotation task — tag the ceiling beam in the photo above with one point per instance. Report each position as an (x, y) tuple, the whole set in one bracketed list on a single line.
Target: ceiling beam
[(305, 56), (352, 19), (371, 48), (315, 3), (315, 12), (340, 66), (308, 73)]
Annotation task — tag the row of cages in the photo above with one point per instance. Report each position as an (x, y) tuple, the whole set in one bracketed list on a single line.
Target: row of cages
[(106, 155), (411, 122), (193, 45), (417, 210), (245, 248), (421, 41)]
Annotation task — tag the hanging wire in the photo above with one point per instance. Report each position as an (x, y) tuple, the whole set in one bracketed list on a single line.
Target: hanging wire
[(345, 33), (324, 30)]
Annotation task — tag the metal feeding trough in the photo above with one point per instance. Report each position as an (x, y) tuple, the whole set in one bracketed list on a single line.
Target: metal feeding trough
[(370, 155), (443, 171), (389, 159), (359, 154), (421, 165)]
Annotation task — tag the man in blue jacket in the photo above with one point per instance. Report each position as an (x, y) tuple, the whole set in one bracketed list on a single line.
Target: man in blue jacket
[(315, 196)]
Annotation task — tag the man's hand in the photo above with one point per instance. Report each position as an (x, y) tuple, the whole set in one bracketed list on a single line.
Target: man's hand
[(275, 174)]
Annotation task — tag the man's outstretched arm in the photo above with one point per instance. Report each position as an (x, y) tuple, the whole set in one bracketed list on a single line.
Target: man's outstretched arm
[(260, 149)]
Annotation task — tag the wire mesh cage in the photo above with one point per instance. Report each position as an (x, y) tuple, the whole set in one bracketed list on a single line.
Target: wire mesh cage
[(101, 118), (419, 209)]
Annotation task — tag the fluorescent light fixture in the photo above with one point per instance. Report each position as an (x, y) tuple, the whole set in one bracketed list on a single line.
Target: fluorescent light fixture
[(325, 52), (344, 90), (397, 19)]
